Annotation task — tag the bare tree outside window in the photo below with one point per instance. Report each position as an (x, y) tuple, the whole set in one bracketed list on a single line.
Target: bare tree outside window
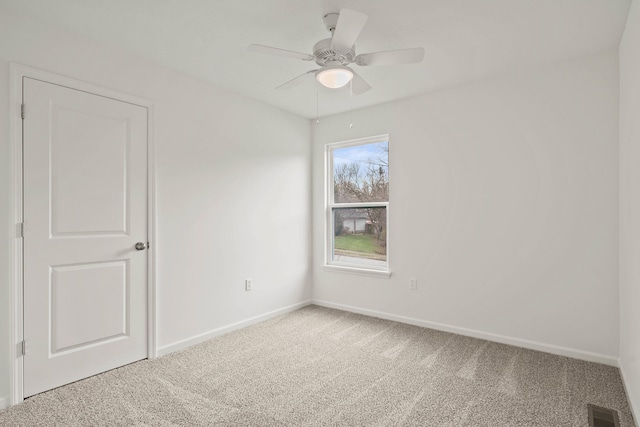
[(360, 188)]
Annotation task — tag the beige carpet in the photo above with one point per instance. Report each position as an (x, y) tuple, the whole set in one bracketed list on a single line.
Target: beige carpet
[(323, 367)]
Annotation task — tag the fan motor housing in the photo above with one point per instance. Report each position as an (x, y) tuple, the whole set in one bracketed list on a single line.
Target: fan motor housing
[(325, 54)]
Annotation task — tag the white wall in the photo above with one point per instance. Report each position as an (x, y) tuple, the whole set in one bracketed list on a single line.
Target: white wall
[(630, 207), (503, 203), (233, 178), (5, 234)]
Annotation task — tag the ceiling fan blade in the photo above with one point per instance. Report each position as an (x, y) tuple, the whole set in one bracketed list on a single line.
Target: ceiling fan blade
[(358, 84), (392, 57), (295, 81), (350, 24), (280, 52)]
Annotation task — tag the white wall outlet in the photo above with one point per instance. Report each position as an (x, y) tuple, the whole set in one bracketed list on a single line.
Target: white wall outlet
[(413, 284), (248, 284)]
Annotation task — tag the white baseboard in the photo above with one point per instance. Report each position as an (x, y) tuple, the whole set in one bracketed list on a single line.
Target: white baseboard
[(532, 345), (4, 402), (188, 342), (634, 404)]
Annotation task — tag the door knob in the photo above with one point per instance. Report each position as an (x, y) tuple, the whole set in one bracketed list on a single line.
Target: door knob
[(141, 246)]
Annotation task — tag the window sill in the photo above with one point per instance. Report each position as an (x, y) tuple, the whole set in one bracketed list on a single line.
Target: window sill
[(355, 270)]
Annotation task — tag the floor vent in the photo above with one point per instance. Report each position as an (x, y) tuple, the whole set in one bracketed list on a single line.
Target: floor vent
[(602, 417)]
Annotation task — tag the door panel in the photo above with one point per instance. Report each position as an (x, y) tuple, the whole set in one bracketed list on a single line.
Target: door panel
[(88, 304), (87, 197), (85, 207)]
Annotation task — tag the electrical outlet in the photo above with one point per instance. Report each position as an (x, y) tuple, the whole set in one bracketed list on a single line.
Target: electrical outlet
[(413, 284), (248, 284)]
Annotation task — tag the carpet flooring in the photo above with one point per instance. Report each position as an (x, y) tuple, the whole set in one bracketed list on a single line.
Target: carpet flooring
[(322, 367)]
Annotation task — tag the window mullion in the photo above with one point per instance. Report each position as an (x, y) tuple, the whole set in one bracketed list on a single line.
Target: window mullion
[(359, 205)]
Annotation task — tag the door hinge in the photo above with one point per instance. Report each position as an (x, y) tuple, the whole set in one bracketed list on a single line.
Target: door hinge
[(22, 111), (23, 348), (21, 229)]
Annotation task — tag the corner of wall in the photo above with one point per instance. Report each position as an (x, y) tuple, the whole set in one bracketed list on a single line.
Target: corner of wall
[(629, 204), (188, 342), (634, 404)]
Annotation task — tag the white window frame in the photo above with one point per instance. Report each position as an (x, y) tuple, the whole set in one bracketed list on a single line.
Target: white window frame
[(329, 263)]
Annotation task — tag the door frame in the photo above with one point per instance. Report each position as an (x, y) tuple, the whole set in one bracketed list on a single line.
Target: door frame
[(17, 73)]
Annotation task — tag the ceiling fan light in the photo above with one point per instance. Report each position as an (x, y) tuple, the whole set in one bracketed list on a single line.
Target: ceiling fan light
[(334, 77)]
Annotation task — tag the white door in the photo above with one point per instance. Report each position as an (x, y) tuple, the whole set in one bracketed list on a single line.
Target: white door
[(85, 208)]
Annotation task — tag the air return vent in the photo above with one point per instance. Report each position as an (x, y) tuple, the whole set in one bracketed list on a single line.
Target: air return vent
[(602, 417)]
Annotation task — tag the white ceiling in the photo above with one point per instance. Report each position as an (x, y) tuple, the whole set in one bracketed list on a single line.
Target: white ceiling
[(464, 40)]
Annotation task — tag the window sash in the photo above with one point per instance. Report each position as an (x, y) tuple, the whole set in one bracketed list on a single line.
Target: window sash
[(360, 265), (331, 205)]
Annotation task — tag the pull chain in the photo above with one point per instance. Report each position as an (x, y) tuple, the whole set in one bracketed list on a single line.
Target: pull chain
[(351, 103), (317, 105)]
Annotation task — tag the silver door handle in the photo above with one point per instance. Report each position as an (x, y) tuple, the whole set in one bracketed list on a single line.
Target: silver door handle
[(141, 246)]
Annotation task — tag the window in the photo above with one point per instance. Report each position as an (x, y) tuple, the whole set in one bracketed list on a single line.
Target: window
[(358, 205)]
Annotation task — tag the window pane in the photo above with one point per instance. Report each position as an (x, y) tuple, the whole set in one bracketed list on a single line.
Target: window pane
[(361, 173), (360, 236)]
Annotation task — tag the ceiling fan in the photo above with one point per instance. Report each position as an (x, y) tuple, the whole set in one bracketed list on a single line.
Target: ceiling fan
[(335, 54)]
